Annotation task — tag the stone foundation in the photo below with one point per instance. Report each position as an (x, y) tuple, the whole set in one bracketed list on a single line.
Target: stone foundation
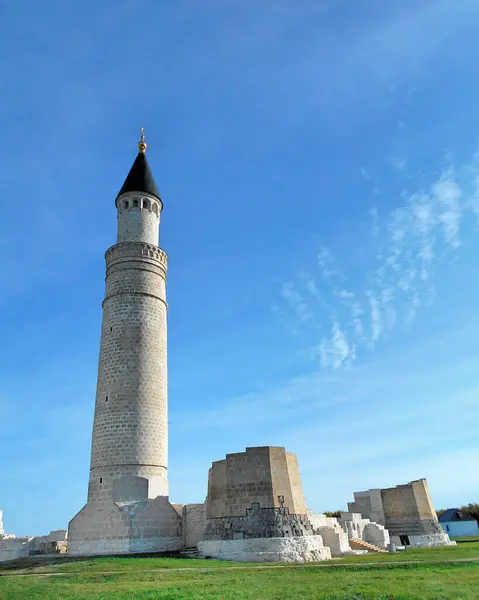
[(283, 549), (425, 541), (125, 528), (259, 523)]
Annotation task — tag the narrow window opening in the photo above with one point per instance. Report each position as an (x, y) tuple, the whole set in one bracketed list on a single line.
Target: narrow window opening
[(135, 202), (101, 479), (146, 204), (106, 399), (111, 328), (127, 204)]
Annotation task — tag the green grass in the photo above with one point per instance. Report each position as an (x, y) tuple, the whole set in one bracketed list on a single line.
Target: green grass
[(350, 578), (466, 538), (459, 581)]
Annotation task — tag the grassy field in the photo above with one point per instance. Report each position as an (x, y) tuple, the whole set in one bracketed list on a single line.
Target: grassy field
[(422, 573)]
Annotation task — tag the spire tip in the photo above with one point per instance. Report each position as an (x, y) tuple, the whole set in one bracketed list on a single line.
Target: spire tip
[(142, 145)]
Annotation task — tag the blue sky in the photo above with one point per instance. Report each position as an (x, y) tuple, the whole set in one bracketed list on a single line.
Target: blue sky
[(319, 166)]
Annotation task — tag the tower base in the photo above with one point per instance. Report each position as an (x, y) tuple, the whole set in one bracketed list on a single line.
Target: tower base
[(279, 549), (107, 527)]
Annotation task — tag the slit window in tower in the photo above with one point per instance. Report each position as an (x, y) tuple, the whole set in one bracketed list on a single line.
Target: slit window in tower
[(146, 204), (135, 202), (101, 479), (106, 399), (127, 204)]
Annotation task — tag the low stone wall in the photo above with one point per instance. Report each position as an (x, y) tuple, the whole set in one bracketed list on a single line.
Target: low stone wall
[(297, 549), (430, 540), (332, 533), (358, 528), (12, 547)]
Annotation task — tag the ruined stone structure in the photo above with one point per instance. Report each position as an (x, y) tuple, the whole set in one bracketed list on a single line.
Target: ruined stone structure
[(255, 509), (256, 512), (266, 475), (406, 511), (128, 508), (13, 547)]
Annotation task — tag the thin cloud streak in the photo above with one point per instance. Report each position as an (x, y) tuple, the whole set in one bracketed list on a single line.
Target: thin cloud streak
[(424, 228)]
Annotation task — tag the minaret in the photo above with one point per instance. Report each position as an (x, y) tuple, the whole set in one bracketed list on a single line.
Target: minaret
[(128, 508), (130, 432)]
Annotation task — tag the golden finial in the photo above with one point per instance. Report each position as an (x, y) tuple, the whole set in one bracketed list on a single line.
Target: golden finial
[(142, 145)]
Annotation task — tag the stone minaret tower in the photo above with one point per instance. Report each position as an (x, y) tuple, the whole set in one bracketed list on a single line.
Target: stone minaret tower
[(129, 445), (128, 508)]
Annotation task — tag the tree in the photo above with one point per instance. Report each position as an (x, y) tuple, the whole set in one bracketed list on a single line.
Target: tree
[(472, 510), (336, 514)]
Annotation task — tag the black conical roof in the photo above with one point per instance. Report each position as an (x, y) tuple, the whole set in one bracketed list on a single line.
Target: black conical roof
[(140, 178)]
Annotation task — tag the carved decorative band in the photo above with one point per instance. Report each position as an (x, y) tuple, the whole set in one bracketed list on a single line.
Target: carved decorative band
[(129, 293), (128, 465), (136, 249)]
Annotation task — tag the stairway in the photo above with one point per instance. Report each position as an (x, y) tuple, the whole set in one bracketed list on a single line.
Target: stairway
[(190, 552), (357, 544)]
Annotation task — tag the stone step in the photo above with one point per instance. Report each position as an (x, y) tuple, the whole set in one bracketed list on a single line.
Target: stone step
[(358, 544), (190, 552)]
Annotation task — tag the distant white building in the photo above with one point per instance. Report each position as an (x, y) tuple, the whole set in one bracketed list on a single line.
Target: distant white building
[(455, 522)]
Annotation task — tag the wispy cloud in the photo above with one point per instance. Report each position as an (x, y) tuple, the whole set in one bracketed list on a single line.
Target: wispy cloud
[(290, 293), (408, 244), (335, 350)]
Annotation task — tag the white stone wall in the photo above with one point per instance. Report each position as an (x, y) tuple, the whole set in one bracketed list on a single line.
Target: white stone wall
[(295, 549), (337, 533), (376, 534), (332, 533), (138, 218), (430, 540), (12, 547)]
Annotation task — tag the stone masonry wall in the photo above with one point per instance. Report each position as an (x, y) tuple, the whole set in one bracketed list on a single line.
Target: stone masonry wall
[(194, 524), (259, 523), (264, 475), (334, 536), (369, 504), (111, 528), (12, 547), (407, 509), (286, 480)]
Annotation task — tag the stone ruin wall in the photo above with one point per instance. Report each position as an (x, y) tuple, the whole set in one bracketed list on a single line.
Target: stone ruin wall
[(13, 547), (259, 523), (410, 507), (194, 524), (407, 511), (261, 475)]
